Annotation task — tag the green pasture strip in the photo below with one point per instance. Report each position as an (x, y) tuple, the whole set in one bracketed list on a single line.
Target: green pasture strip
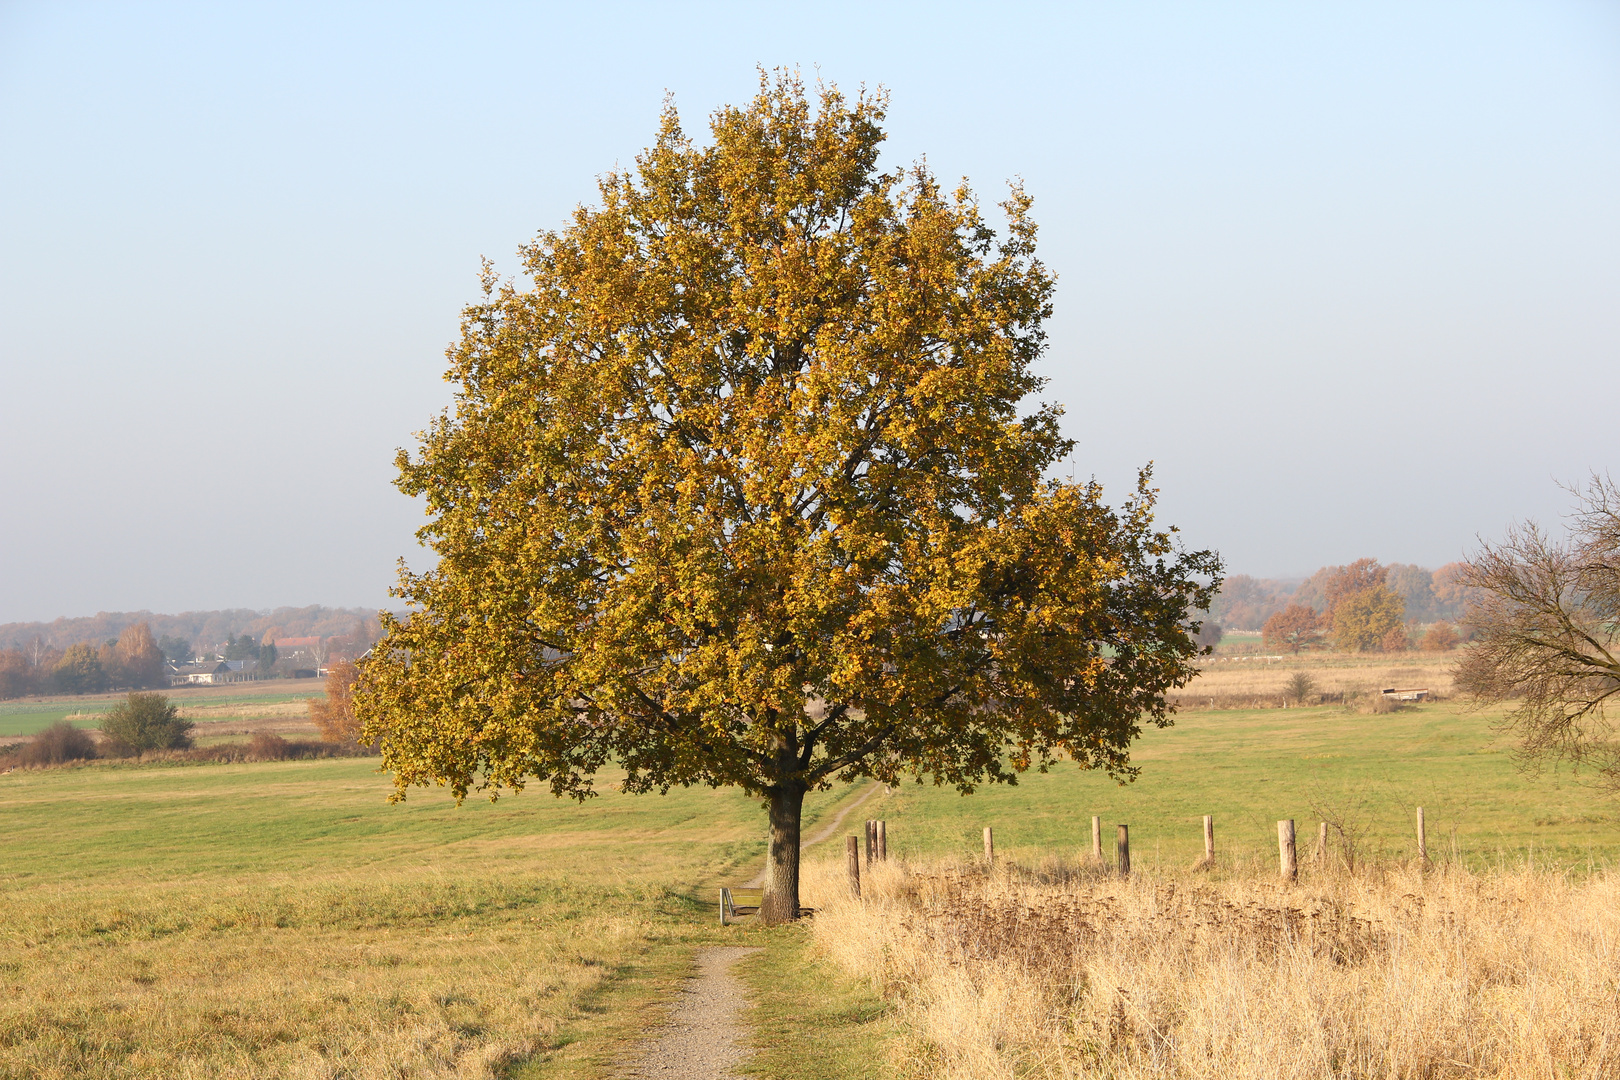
[(30, 718), (248, 920), (38, 719), (11, 708), (193, 698), (32, 723), (180, 695), (1251, 768)]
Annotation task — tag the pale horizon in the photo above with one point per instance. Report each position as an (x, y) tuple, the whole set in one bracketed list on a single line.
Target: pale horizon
[(1346, 276)]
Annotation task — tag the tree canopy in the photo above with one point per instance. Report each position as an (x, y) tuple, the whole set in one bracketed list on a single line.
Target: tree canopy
[(745, 489), (1367, 618), (1295, 627)]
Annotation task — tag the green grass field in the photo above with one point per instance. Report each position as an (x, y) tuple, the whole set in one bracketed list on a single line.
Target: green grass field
[(32, 717), (1250, 769), (284, 919)]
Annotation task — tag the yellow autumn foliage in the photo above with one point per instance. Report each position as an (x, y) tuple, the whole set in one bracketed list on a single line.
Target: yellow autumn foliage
[(744, 488)]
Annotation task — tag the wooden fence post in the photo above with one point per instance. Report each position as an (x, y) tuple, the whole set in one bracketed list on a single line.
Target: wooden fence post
[(852, 849), (871, 843), (989, 846), (883, 841), (1321, 843), (1096, 840), (1285, 850), (1423, 842), (1209, 838), (725, 905), (1124, 851)]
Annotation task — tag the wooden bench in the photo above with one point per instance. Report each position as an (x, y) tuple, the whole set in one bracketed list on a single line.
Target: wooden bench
[(730, 909)]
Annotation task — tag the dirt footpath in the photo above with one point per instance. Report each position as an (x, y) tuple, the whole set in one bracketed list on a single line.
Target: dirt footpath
[(700, 1042)]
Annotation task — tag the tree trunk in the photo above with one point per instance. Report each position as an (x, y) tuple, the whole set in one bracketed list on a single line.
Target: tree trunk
[(781, 900)]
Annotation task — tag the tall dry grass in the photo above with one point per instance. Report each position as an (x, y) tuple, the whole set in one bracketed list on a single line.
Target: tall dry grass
[(1067, 972), (1226, 683)]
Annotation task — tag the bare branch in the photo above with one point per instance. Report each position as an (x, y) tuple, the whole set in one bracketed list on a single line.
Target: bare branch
[(1548, 639)]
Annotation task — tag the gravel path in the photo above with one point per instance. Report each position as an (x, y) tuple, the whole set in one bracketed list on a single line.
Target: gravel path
[(700, 1041)]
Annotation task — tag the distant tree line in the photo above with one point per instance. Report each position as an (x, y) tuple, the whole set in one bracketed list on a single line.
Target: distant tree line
[(131, 661), (207, 630), (136, 661), (1359, 607)]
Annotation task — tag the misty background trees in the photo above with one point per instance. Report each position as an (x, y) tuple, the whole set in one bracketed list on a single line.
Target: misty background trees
[(1363, 606), (131, 650)]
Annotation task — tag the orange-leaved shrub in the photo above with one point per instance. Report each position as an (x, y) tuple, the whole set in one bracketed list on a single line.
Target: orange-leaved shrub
[(334, 714), (1440, 638)]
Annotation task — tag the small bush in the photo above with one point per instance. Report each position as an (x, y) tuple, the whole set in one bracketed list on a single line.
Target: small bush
[(1440, 638), (145, 722), (1301, 687), (1379, 704), (61, 742), (267, 747)]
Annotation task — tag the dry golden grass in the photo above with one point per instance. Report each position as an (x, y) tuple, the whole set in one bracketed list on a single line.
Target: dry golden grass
[(1068, 972), (1258, 682), (246, 711), (364, 977)]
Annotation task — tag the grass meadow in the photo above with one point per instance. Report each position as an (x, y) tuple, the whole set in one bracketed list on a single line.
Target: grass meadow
[(1251, 768), (282, 919)]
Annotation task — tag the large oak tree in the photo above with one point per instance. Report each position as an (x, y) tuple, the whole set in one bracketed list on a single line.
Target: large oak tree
[(743, 489)]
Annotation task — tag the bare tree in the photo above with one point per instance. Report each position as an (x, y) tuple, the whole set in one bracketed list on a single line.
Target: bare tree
[(1547, 619)]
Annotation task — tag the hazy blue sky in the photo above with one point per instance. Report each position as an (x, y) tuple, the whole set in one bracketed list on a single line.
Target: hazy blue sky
[(1349, 273)]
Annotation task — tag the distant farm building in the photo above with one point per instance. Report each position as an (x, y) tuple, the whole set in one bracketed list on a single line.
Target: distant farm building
[(211, 672)]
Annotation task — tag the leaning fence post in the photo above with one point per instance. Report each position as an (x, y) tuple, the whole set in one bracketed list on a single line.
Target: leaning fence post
[(1209, 838), (1123, 851), (989, 845), (1285, 850), (725, 905), (1096, 840), (852, 848), (883, 841), (1423, 842)]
